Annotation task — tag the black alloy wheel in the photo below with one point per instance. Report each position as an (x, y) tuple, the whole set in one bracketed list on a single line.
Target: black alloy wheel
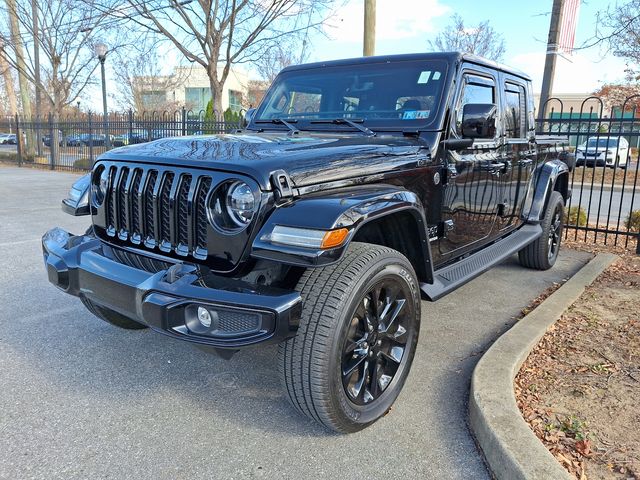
[(555, 232), (543, 252), (376, 341)]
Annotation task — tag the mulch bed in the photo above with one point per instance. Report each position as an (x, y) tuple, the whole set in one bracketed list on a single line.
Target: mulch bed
[(579, 390)]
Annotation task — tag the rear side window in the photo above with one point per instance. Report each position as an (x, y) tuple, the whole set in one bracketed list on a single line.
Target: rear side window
[(515, 111), (476, 89)]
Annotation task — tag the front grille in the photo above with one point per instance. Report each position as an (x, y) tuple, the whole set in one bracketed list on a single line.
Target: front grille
[(157, 208)]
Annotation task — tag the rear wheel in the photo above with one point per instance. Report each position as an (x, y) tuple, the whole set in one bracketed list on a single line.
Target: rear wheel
[(109, 316), (543, 253), (357, 337)]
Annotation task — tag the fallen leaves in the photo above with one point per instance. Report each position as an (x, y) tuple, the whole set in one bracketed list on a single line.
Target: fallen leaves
[(578, 389)]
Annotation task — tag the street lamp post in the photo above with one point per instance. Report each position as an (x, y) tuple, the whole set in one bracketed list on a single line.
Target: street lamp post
[(101, 53)]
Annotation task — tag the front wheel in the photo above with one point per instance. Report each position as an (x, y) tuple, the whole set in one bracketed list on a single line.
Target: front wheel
[(543, 253), (357, 337)]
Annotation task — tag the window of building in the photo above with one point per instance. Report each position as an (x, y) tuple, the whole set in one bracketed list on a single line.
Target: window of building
[(153, 99), (235, 100), (196, 99)]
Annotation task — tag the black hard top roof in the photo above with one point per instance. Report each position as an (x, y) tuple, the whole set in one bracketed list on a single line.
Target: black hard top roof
[(450, 57)]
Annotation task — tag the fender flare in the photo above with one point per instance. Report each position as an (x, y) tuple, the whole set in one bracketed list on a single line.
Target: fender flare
[(545, 182), (350, 208)]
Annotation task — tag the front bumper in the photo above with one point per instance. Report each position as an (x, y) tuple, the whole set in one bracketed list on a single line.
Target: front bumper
[(166, 300), (591, 161)]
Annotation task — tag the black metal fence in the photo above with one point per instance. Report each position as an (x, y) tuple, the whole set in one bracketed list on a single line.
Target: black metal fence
[(73, 143), (605, 202)]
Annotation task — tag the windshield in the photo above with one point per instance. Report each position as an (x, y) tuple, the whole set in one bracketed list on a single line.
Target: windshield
[(603, 142), (399, 95)]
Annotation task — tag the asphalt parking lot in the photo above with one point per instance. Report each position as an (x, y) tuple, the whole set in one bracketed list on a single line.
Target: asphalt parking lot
[(82, 399)]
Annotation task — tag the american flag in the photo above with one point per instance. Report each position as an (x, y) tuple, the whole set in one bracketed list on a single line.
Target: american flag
[(569, 17)]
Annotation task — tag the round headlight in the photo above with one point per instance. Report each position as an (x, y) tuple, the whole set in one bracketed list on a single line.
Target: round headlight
[(232, 206), (240, 203), (100, 185)]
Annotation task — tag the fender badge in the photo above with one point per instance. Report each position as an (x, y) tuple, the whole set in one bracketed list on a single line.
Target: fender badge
[(436, 178)]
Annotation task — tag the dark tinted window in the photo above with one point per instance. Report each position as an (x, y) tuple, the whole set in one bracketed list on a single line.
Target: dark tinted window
[(515, 109), (476, 89)]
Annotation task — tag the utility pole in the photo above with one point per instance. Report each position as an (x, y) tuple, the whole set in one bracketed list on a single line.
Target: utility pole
[(369, 28), (36, 61), (552, 54)]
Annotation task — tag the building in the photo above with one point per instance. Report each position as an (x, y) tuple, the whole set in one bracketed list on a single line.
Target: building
[(189, 87), (578, 105), (587, 105)]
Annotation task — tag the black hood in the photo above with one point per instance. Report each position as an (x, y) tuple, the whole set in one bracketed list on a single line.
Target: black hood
[(308, 158)]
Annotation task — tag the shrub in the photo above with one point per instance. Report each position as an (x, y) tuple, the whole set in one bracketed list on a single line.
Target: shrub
[(633, 221), (232, 117), (576, 216)]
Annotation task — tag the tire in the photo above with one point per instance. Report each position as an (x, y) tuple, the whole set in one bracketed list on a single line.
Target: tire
[(112, 317), (340, 331), (543, 253)]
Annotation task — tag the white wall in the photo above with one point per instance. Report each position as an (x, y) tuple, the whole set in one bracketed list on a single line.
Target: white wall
[(196, 77)]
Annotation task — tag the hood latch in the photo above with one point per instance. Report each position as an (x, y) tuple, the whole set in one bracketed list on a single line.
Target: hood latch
[(281, 184)]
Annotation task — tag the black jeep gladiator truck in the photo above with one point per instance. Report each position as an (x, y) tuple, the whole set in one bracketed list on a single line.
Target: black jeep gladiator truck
[(356, 188)]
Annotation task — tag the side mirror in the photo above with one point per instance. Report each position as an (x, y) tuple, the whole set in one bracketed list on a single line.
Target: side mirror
[(249, 116), (77, 201), (479, 120)]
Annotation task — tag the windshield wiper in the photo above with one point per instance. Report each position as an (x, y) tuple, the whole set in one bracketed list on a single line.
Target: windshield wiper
[(354, 123), (287, 123)]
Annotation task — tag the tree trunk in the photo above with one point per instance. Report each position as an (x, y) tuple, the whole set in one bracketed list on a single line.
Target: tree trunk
[(217, 89), (8, 82), (22, 79), (55, 133)]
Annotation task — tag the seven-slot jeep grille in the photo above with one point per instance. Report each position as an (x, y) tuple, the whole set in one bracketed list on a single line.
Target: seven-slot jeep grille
[(153, 207)]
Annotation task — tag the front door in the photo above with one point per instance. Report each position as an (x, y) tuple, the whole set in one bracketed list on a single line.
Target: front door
[(473, 176)]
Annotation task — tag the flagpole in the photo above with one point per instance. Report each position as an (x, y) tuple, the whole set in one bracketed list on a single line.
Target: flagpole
[(552, 53)]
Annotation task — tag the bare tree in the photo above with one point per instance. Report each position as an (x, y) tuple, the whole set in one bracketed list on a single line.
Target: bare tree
[(619, 28), (9, 86), (480, 40), (19, 55), (217, 34), (142, 84), (68, 30), (277, 57)]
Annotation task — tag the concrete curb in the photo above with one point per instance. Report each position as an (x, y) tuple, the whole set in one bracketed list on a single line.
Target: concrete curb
[(510, 448)]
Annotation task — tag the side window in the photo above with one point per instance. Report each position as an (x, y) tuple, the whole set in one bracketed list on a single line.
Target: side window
[(475, 89), (515, 111)]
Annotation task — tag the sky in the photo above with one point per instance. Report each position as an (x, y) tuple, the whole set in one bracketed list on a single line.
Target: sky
[(406, 26)]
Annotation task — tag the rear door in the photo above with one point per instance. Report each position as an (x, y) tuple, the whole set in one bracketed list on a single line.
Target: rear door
[(518, 152)]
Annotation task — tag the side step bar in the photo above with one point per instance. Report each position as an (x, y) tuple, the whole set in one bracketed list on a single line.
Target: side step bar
[(453, 276)]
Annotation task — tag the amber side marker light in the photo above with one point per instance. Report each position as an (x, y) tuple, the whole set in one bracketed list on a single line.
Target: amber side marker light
[(307, 237), (334, 238)]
